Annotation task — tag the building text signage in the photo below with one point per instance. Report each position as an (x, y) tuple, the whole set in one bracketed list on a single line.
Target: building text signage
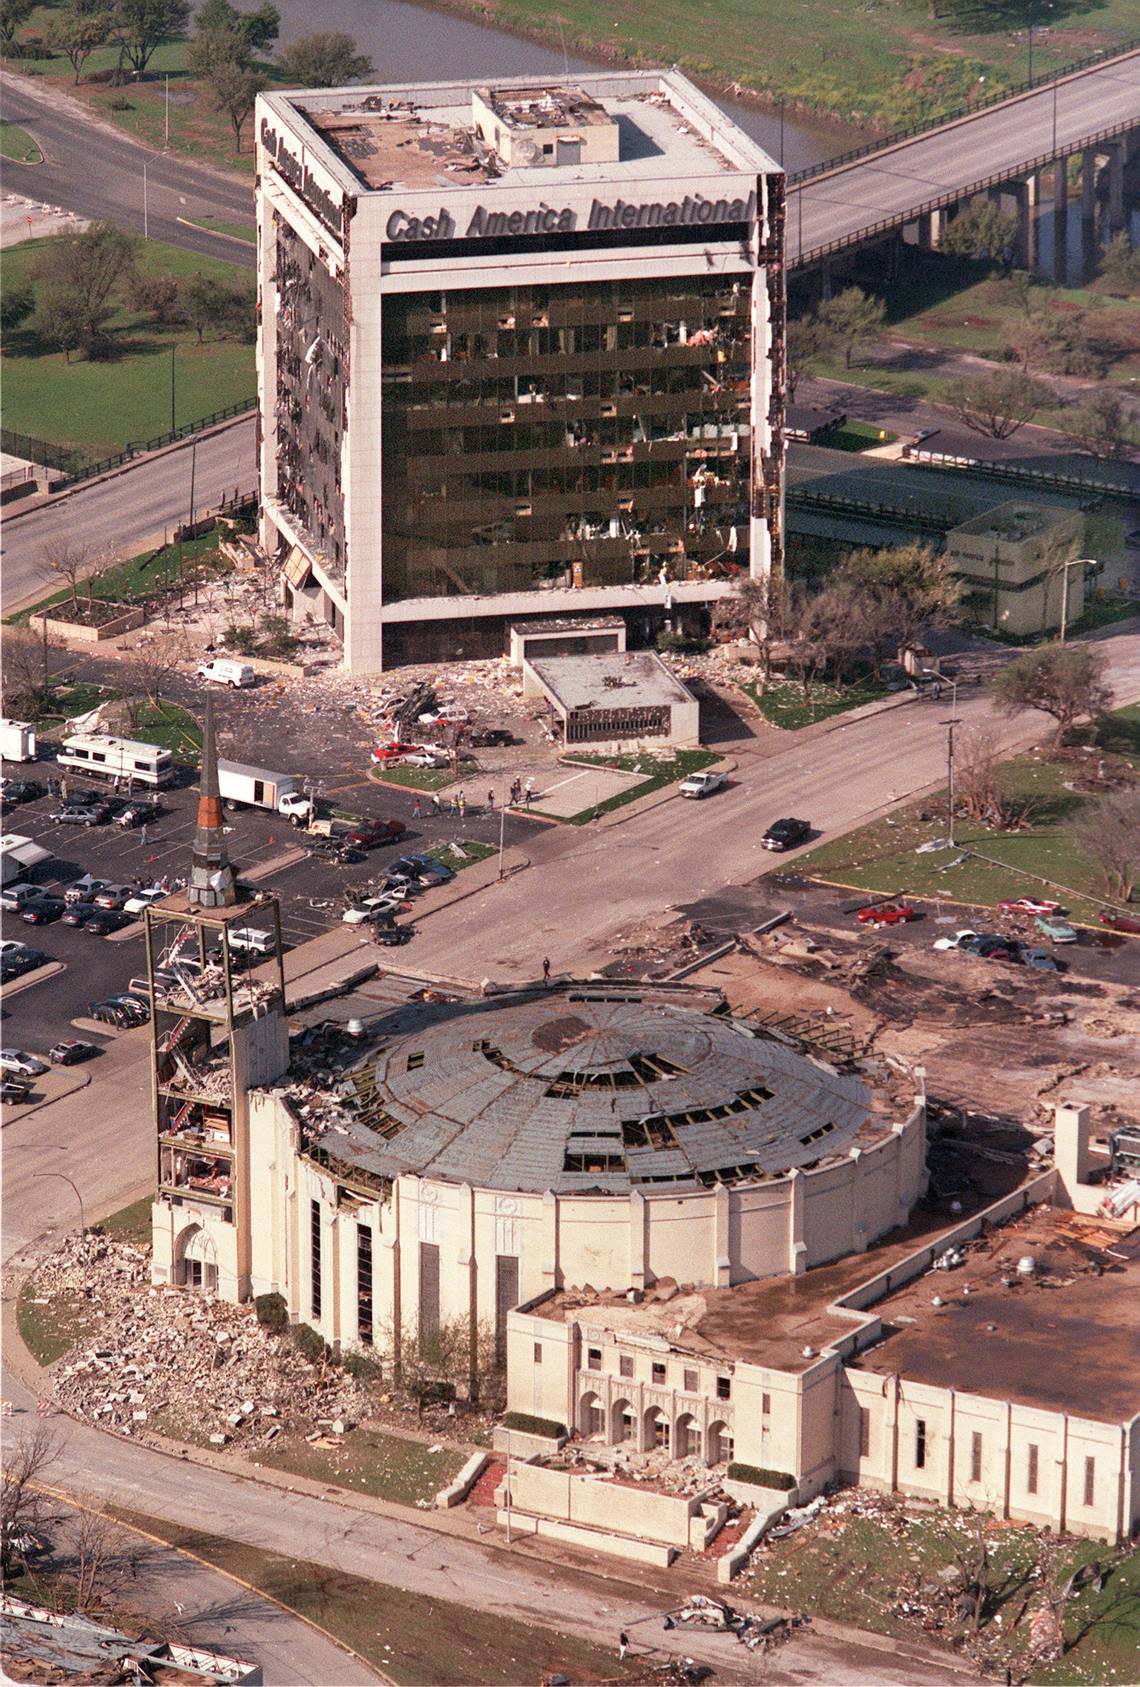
[(296, 172), (550, 219)]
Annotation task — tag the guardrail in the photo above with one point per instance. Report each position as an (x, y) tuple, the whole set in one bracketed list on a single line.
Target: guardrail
[(1052, 480), (76, 466), (927, 125), (952, 197), (908, 514)]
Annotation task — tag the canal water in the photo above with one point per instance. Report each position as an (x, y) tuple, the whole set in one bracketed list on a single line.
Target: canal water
[(409, 43)]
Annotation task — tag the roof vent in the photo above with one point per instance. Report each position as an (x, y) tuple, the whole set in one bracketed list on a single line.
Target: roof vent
[(1027, 1266)]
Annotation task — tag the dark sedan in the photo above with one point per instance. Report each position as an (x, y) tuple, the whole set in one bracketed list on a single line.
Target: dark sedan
[(42, 910), (18, 791), (490, 738), (103, 921), (786, 834), (78, 913)]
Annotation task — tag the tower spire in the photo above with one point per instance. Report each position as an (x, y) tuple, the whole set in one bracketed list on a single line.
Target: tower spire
[(211, 876)]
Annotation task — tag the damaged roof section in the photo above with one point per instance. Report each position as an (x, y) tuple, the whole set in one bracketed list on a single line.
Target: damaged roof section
[(589, 1090)]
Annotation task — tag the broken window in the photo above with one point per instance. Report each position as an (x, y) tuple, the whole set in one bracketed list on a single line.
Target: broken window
[(691, 1382), (658, 1372), (1090, 1480), (1031, 1469), (724, 1388), (429, 1294), (506, 1297), (593, 1358), (315, 1258), (364, 1283), (920, 1444), (976, 1457), (415, 1061), (864, 1431), (625, 1365)]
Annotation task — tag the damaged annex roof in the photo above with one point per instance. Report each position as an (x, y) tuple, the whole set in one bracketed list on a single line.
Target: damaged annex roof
[(584, 1090)]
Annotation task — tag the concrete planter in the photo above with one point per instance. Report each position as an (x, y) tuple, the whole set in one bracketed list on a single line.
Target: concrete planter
[(76, 632), (520, 1445), (764, 1499)]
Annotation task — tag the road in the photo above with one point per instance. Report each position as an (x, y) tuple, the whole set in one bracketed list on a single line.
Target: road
[(945, 164), (126, 511), (92, 169)]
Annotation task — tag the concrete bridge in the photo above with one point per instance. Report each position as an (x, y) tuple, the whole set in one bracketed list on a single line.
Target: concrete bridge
[(1002, 150)]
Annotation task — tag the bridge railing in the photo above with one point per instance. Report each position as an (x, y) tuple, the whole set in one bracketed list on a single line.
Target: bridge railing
[(952, 197), (1073, 480), (959, 112)]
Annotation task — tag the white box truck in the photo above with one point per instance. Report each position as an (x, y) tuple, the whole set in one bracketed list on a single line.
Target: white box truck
[(18, 855), (257, 787), (17, 740)]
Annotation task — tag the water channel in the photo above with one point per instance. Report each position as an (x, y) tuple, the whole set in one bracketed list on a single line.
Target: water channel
[(409, 43)]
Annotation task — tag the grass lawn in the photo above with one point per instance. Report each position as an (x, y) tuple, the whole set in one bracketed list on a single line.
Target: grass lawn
[(172, 728), (783, 703), (417, 1640), (50, 1328), (18, 144), (1045, 860), (659, 773), (98, 408), (129, 1224), (245, 232), (473, 849), (140, 578), (423, 778), (858, 436), (371, 1462), (855, 1571)]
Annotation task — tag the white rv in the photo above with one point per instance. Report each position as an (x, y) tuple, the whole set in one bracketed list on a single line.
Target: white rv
[(105, 757)]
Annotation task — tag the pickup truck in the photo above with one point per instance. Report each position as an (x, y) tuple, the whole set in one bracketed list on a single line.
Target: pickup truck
[(703, 784)]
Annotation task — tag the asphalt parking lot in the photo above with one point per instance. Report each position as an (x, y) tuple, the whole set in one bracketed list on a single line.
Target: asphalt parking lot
[(40, 1010)]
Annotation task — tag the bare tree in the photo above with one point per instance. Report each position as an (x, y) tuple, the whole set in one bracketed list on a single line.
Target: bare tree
[(153, 662), (101, 1557), (25, 1509), (999, 403), (28, 658), (760, 609), (459, 1354), (65, 563), (1109, 833), (976, 764)]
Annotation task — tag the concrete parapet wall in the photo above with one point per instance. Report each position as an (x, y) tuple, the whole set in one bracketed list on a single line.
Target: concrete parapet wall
[(456, 1492), (595, 1503), (593, 1540), (76, 632), (733, 1562)]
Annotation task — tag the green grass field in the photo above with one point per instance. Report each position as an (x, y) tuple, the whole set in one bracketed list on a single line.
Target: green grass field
[(48, 1330), (245, 232), (783, 703), (658, 772), (16, 143), (141, 577), (1042, 861), (371, 1462), (100, 407)]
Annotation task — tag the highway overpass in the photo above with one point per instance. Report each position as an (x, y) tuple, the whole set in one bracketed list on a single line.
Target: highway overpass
[(999, 149)]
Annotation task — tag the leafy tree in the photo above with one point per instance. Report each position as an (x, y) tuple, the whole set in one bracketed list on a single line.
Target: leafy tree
[(326, 59), (59, 319), (13, 13), (1109, 833), (999, 403), (17, 302), (1099, 425), (208, 302), (806, 341), (217, 50), (760, 609), (982, 230), (76, 32), (233, 90), (142, 25), (1120, 267), (906, 587), (1066, 681), (852, 317), (260, 28), (157, 296), (83, 273)]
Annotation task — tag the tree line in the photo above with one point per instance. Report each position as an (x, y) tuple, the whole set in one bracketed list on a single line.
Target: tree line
[(226, 51)]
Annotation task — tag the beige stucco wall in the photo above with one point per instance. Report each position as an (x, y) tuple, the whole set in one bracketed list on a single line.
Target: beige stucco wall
[(597, 1504)]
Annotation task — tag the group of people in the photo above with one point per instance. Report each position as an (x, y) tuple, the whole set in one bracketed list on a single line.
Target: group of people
[(521, 796)]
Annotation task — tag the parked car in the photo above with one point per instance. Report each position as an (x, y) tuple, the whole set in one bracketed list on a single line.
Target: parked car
[(429, 870), (42, 910), (983, 941), (887, 914), (21, 1064), (138, 812), (78, 913), (12, 1092), (1029, 905), (17, 791), (123, 1010), (786, 834), (369, 834), (450, 714), (392, 752), (88, 816), (226, 671), (338, 850), (426, 756), (112, 895), (13, 897), (103, 921), (1054, 928), (1042, 961), (81, 799), (248, 940), (391, 935), (490, 737), (1121, 922), (19, 961), (70, 1051), (142, 899), (371, 908), (703, 784), (84, 889)]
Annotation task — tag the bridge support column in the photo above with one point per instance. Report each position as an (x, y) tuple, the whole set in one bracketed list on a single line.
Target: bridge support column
[(825, 281), (1115, 150), (929, 231), (1025, 193), (1088, 210), (1061, 221)]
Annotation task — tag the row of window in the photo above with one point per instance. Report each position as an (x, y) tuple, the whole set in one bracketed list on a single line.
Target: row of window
[(657, 1374), (922, 1447)]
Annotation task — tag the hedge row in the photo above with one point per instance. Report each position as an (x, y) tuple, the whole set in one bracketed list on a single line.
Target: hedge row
[(759, 1477), (527, 1425)]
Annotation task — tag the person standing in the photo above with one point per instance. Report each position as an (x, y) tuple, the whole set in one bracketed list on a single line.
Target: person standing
[(144, 836), (490, 802), (416, 809), (546, 972)]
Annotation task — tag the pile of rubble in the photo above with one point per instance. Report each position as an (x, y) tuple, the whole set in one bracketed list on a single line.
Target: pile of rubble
[(183, 1363)]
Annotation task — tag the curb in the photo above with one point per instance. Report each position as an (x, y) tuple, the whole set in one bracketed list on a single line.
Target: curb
[(52, 970), (82, 1080), (217, 233)]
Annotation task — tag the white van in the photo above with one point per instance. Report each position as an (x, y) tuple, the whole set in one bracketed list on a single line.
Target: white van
[(226, 672), (127, 759), (252, 941)]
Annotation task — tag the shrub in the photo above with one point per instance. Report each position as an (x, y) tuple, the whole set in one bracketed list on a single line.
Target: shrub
[(272, 1311), (120, 104), (760, 1477), (527, 1425), (276, 637), (309, 1342), (243, 639), (363, 1367)]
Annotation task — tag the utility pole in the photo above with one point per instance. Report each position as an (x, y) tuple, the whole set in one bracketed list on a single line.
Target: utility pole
[(146, 211), (173, 423), (950, 725), (166, 125), (1076, 562), (502, 831)]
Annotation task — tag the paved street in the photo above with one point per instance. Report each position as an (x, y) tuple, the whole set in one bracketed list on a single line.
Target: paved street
[(124, 512), (97, 171), (889, 186)]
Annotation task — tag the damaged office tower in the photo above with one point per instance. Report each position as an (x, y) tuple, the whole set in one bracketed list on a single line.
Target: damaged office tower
[(521, 354), (217, 994)]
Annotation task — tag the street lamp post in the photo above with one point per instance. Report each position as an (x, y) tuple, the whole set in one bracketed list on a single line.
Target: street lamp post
[(146, 208), (173, 423), (950, 725), (1063, 570), (781, 131), (502, 833), (64, 1177)]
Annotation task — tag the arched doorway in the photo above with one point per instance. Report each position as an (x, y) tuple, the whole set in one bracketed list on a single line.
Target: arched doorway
[(687, 1437), (656, 1430), (591, 1416), (621, 1423), (719, 1443), (195, 1262)]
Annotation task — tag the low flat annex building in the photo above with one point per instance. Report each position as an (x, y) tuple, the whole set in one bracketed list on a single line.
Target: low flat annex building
[(520, 352), (611, 701)]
